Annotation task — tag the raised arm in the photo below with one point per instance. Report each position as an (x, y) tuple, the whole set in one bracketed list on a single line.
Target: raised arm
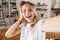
[(14, 29), (51, 24)]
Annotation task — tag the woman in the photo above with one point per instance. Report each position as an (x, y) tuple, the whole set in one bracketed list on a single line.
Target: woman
[(31, 26)]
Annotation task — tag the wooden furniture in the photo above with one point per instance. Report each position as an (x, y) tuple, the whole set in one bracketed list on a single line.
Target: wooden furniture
[(2, 35), (52, 35), (49, 35)]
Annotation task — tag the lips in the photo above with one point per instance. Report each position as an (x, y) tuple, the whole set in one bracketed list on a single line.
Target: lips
[(28, 16)]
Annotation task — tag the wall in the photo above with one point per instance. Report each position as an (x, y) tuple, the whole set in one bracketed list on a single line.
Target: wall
[(0, 1), (17, 2), (48, 2)]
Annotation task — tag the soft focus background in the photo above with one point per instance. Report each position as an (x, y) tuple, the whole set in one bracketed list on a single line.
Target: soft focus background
[(9, 14)]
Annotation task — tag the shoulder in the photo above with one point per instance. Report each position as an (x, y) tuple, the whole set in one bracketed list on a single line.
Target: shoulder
[(41, 21), (40, 24)]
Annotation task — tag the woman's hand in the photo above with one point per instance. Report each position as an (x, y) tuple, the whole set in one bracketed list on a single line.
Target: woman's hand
[(20, 19), (14, 29)]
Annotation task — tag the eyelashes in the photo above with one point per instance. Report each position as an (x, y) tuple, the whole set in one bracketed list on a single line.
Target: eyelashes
[(30, 9), (27, 10)]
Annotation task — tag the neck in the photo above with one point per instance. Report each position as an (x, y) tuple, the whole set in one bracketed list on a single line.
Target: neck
[(30, 21)]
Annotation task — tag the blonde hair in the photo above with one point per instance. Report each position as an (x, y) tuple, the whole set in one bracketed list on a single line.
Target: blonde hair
[(36, 17)]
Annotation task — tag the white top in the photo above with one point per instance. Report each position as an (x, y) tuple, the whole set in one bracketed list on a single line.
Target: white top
[(35, 34)]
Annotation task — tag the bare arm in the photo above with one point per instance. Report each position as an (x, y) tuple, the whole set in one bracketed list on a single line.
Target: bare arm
[(17, 31), (13, 30), (51, 24)]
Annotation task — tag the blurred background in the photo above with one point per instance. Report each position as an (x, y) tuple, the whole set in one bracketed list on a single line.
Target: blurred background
[(9, 14)]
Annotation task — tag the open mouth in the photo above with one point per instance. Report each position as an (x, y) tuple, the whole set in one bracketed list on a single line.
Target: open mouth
[(28, 16)]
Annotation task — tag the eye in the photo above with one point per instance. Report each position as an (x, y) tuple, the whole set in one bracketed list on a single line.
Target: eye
[(23, 10), (30, 9)]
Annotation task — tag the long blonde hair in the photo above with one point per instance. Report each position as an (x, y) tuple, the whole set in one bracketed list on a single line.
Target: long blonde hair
[(36, 17)]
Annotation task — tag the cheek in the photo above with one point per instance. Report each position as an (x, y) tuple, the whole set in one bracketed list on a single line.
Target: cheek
[(23, 15), (32, 13)]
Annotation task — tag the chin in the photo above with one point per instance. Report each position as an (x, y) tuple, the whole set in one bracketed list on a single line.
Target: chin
[(28, 20)]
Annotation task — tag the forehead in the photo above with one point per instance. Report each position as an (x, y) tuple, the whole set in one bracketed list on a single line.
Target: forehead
[(26, 6)]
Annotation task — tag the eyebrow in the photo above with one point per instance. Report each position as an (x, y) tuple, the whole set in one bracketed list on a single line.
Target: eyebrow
[(28, 8)]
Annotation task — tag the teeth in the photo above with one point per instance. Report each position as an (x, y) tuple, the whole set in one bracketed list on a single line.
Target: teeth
[(28, 16)]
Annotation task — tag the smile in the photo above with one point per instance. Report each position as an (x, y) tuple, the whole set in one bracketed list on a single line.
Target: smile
[(28, 16)]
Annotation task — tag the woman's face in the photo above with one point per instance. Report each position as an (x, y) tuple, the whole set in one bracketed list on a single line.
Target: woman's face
[(28, 12)]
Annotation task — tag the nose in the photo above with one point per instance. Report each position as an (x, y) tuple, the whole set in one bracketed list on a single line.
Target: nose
[(27, 13)]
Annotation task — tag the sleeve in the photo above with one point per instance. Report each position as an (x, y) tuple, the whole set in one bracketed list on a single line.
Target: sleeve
[(40, 32), (40, 23)]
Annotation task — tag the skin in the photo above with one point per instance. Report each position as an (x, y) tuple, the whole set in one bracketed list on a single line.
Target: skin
[(49, 25), (27, 11)]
